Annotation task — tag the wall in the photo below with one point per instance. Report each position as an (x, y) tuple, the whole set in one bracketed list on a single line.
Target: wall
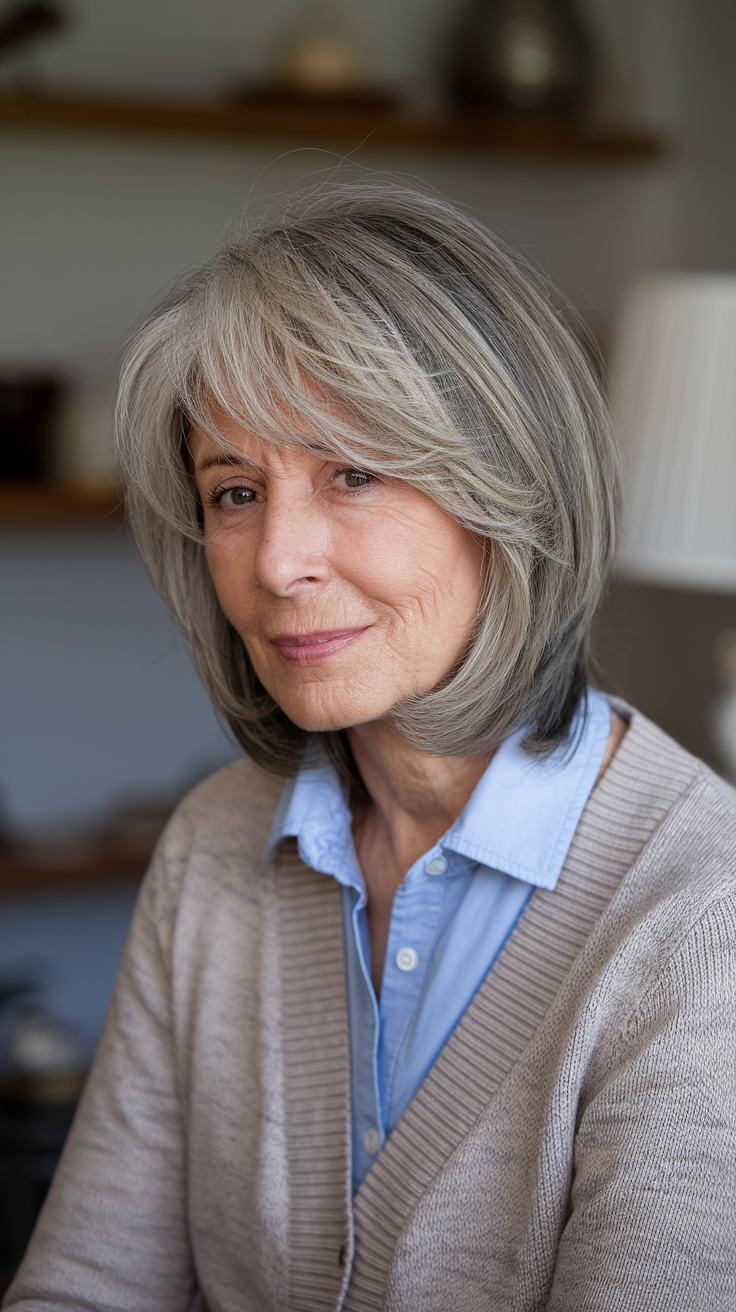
[(709, 94), (99, 699)]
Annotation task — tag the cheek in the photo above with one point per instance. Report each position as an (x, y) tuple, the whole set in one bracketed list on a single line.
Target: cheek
[(420, 570), (231, 570)]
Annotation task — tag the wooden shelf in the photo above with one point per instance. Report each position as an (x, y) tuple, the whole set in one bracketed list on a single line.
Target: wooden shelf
[(30, 868), (117, 852), (306, 124), (54, 505)]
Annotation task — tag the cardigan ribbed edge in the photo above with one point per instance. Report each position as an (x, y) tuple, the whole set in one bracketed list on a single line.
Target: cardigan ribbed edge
[(317, 1082), (619, 819)]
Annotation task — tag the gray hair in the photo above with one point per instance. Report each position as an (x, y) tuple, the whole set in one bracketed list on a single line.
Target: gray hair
[(430, 353)]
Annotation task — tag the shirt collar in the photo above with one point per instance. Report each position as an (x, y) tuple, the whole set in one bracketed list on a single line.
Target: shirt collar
[(520, 819), (314, 810), (524, 811)]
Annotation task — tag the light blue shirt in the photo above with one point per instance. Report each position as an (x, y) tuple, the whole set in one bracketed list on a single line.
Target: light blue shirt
[(452, 913)]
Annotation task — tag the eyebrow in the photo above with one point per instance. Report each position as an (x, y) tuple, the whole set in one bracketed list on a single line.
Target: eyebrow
[(227, 461)]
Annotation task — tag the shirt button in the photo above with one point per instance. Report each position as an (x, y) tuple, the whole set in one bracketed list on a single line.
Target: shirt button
[(437, 866), (407, 959), (372, 1142)]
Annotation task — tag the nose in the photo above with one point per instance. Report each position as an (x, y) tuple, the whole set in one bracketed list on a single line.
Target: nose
[(291, 554)]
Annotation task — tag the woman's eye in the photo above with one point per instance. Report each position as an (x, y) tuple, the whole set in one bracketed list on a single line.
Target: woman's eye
[(356, 477), (237, 496)]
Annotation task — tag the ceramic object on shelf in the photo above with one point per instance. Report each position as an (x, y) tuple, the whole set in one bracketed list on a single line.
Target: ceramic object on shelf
[(322, 64), (319, 66), (45, 1061), (521, 55)]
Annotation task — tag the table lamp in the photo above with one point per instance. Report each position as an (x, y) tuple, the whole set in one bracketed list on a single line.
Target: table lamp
[(674, 404), (674, 401)]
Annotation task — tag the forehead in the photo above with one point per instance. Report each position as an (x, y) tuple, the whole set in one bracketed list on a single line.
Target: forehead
[(234, 444), (226, 438)]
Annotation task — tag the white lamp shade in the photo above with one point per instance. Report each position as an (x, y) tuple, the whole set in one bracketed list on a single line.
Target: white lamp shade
[(674, 400)]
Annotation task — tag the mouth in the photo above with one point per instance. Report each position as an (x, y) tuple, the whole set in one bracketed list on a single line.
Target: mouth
[(305, 648)]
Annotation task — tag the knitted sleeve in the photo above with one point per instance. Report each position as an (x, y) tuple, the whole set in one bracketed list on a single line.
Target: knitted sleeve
[(652, 1222), (113, 1231)]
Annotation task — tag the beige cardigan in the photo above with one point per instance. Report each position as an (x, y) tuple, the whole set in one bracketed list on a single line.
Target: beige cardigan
[(573, 1148)]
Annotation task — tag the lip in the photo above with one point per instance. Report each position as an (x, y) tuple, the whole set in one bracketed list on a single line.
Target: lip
[(305, 648)]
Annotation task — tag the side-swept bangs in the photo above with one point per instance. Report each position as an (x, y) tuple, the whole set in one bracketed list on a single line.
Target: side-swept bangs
[(387, 327)]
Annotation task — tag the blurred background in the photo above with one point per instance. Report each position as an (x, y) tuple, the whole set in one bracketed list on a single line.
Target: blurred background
[(596, 136)]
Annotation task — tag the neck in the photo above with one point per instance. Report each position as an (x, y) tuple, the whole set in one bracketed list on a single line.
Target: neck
[(414, 797)]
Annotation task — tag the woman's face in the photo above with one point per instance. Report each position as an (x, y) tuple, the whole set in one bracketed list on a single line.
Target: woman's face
[(350, 592)]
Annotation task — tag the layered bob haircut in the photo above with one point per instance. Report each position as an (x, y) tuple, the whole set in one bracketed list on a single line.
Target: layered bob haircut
[(391, 329)]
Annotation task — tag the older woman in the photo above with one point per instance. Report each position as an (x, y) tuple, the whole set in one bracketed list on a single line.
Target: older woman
[(447, 1020)]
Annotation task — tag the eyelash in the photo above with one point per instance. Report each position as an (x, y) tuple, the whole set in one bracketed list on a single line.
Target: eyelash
[(215, 497)]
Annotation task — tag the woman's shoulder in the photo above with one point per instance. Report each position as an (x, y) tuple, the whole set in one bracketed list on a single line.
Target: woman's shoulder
[(675, 810), (221, 827), (240, 795), (651, 772)]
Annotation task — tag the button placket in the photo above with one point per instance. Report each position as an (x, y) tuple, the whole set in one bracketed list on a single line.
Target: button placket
[(412, 932)]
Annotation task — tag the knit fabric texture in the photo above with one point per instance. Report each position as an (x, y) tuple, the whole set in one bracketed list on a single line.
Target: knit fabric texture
[(573, 1148)]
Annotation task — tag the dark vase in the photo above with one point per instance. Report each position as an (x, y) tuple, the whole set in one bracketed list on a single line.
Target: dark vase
[(29, 407), (521, 54)]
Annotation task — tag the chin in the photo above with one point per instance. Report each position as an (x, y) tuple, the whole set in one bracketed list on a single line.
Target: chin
[(316, 717), (313, 721)]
